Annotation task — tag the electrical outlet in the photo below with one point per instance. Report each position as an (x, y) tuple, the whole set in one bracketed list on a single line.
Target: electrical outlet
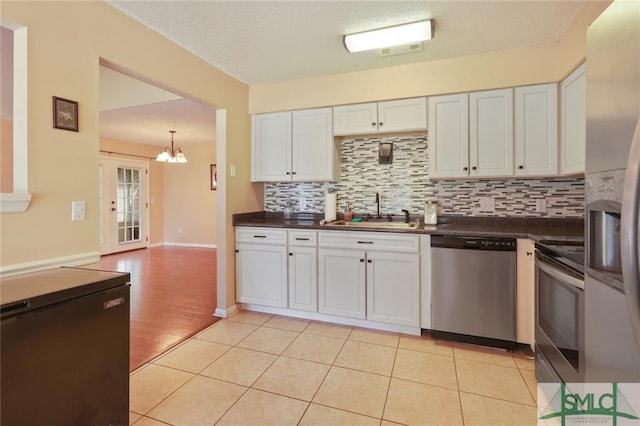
[(487, 204), (302, 204), (78, 211), (541, 206)]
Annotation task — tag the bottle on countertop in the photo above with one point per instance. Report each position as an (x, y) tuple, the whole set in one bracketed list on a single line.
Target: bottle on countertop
[(431, 211), (348, 214)]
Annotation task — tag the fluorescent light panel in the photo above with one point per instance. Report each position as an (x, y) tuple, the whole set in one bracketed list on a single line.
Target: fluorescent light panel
[(388, 37)]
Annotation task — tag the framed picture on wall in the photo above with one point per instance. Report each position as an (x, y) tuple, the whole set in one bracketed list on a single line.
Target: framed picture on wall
[(65, 114), (214, 177)]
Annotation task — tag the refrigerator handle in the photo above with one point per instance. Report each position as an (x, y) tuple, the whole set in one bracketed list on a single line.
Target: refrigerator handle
[(629, 237)]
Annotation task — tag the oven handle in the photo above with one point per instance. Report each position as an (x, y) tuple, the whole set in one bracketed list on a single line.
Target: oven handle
[(565, 278)]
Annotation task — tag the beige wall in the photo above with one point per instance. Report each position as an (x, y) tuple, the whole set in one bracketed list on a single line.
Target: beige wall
[(156, 180), (572, 48), (67, 40), (516, 67), (190, 204), (6, 155)]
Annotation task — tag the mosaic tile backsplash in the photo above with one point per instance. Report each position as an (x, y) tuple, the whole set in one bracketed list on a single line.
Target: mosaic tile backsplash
[(405, 184)]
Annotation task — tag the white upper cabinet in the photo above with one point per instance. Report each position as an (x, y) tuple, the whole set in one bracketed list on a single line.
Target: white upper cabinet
[(355, 119), (573, 121), (314, 153), (401, 115), (491, 133), (293, 146), (271, 147), (536, 124), (449, 135)]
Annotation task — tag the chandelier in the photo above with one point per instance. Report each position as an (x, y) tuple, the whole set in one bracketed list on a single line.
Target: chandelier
[(171, 155)]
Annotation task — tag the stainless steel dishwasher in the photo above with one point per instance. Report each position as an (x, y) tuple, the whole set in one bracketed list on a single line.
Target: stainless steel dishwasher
[(473, 290)]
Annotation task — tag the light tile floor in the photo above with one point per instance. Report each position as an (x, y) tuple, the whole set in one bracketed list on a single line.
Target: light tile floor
[(259, 369)]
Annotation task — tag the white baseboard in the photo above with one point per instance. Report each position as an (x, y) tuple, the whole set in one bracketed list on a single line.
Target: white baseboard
[(39, 265), (155, 245), (169, 243), (316, 316), (226, 313)]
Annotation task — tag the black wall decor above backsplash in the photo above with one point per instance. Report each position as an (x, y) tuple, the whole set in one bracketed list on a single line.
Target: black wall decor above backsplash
[(405, 184)]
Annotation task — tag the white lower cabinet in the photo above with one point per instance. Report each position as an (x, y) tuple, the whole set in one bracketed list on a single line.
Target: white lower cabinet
[(341, 282), (373, 284), (355, 275), (303, 271), (261, 266), (393, 281)]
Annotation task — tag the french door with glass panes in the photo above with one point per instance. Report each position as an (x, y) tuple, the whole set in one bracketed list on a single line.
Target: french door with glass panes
[(123, 205)]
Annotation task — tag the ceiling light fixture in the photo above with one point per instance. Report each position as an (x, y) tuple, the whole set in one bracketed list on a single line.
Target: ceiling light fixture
[(171, 155), (388, 37)]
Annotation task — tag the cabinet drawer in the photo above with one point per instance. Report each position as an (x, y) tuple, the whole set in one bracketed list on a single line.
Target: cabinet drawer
[(369, 241), (303, 238), (261, 235)]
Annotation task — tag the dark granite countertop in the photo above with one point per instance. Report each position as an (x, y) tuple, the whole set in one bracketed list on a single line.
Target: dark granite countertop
[(538, 229)]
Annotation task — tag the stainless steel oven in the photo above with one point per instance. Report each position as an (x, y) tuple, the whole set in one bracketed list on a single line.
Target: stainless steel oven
[(559, 330)]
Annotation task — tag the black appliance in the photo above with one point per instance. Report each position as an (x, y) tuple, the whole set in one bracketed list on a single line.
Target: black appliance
[(64, 348)]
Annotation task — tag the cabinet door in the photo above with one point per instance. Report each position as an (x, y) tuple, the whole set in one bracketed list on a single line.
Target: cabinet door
[(355, 119), (448, 135), (271, 147), (341, 282), (573, 121), (261, 274), (536, 126), (303, 283), (393, 288), (491, 133), (402, 115), (313, 150), (525, 296)]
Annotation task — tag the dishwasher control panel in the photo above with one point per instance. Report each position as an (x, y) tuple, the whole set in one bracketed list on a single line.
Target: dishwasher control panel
[(474, 243)]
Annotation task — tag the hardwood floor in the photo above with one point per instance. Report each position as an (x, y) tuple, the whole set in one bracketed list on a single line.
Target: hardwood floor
[(173, 296)]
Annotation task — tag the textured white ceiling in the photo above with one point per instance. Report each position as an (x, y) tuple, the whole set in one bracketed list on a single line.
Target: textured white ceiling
[(261, 42)]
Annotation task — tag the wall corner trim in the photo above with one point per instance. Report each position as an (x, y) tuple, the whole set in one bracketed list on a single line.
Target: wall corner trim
[(226, 313)]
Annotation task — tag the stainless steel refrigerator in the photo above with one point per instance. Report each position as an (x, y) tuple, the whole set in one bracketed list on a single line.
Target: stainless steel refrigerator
[(612, 281)]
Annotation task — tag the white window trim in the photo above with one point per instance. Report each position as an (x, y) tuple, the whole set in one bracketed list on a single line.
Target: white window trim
[(18, 201)]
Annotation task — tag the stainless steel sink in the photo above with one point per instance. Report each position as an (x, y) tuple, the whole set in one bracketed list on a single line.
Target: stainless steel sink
[(373, 224)]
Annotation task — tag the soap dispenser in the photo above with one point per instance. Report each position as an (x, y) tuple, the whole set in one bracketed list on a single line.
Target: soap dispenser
[(348, 214), (431, 211)]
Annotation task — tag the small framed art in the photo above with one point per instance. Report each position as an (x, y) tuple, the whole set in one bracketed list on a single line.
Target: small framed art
[(65, 114)]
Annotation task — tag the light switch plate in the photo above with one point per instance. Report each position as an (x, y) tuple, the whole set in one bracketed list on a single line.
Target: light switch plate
[(487, 204), (541, 206), (78, 211)]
